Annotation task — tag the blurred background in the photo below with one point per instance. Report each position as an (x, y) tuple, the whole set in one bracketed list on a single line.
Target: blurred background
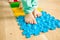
[(9, 30)]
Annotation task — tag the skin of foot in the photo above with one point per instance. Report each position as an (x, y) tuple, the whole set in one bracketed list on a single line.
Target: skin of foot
[(29, 18), (36, 13)]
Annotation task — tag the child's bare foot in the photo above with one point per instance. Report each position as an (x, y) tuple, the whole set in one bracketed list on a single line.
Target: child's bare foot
[(29, 18), (36, 13)]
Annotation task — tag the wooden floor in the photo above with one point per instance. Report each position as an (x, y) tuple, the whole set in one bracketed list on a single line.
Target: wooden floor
[(9, 30)]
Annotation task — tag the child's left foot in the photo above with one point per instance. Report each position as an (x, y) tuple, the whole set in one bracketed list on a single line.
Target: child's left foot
[(36, 13)]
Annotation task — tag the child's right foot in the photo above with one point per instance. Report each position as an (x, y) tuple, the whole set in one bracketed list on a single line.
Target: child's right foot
[(29, 18), (36, 13)]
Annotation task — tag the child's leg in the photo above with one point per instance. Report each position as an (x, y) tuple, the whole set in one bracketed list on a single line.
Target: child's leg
[(35, 5), (27, 6), (28, 9)]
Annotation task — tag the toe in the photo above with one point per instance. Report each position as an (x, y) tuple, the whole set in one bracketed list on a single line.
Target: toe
[(38, 14), (34, 21), (31, 21), (27, 21)]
